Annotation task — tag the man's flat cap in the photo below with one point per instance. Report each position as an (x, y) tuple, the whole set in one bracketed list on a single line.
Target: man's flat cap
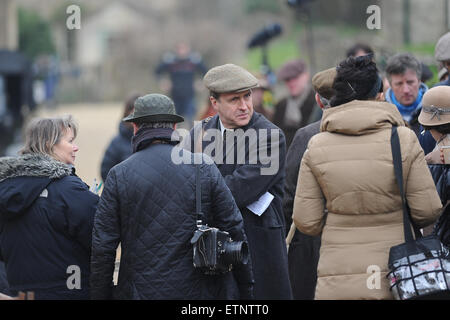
[(442, 49), (229, 78), (291, 69), (154, 107), (323, 82)]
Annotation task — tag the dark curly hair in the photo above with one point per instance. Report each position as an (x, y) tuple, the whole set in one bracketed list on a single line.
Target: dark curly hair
[(442, 128), (355, 79), (352, 51)]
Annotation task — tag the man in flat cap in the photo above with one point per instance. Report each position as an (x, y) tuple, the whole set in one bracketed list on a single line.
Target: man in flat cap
[(298, 108), (303, 254), (250, 153), (442, 55), (149, 205)]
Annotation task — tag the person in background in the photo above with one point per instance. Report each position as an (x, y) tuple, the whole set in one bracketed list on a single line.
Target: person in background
[(263, 98), (360, 49), (348, 169), (120, 146), (404, 73), (182, 67), (208, 110), (443, 74), (303, 252), (148, 205), (298, 108), (442, 55), (435, 118), (46, 214)]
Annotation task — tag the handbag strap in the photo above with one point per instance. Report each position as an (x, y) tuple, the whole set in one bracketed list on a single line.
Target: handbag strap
[(398, 169)]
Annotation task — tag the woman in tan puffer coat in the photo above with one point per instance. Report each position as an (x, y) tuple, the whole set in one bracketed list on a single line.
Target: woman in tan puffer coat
[(348, 170)]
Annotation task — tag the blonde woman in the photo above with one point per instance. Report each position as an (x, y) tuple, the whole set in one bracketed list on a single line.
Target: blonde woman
[(46, 214)]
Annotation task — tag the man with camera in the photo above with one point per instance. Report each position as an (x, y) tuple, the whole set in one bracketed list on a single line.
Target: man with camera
[(149, 206), (250, 154)]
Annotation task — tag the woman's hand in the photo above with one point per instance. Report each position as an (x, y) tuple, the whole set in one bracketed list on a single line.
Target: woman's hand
[(435, 157)]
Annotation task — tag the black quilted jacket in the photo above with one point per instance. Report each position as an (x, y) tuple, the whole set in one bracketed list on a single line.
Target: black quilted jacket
[(148, 205)]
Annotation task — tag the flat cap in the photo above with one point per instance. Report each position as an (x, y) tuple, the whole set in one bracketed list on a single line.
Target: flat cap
[(291, 69), (323, 82), (442, 49), (229, 78), (435, 106), (154, 107)]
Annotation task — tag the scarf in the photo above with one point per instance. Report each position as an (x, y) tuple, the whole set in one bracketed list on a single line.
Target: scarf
[(146, 136), (407, 111)]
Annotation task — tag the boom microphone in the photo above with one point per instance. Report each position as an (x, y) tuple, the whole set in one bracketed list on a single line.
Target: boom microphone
[(263, 36)]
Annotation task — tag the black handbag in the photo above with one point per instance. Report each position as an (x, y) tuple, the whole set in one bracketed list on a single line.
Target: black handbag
[(420, 268)]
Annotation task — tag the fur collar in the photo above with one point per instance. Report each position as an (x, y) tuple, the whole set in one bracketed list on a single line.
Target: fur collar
[(33, 165)]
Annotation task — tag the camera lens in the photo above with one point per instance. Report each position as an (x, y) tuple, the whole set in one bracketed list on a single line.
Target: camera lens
[(235, 252)]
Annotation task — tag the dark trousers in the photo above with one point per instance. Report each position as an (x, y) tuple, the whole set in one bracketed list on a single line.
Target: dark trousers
[(303, 258)]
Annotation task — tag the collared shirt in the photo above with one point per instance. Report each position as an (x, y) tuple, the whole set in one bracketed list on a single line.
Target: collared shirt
[(222, 127)]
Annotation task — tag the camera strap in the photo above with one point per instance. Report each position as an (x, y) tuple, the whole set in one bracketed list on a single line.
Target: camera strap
[(198, 196)]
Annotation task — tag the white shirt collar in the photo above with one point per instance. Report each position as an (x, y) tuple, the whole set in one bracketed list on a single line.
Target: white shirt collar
[(222, 127)]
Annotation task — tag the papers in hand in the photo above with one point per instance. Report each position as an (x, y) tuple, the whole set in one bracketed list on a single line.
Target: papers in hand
[(95, 187), (259, 206)]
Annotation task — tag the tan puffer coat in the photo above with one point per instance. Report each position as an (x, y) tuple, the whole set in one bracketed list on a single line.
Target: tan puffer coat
[(349, 167)]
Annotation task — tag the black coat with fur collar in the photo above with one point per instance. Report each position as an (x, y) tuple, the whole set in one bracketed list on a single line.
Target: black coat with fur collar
[(46, 219)]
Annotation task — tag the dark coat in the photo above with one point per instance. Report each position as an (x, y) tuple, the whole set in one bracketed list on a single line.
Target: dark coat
[(118, 150), (303, 253), (441, 178), (148, 205), (46, 219), (4, 286), (309, 112), (266, 232)]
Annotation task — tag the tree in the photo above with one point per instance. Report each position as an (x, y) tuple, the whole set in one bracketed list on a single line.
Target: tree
[(34, 34)]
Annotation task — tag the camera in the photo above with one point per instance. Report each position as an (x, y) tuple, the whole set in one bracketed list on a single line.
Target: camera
[(215, 252)]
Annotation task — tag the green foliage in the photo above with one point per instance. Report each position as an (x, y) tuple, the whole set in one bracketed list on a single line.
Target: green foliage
[(419, 49), (430, 83), (34, 34), (271, 6)]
